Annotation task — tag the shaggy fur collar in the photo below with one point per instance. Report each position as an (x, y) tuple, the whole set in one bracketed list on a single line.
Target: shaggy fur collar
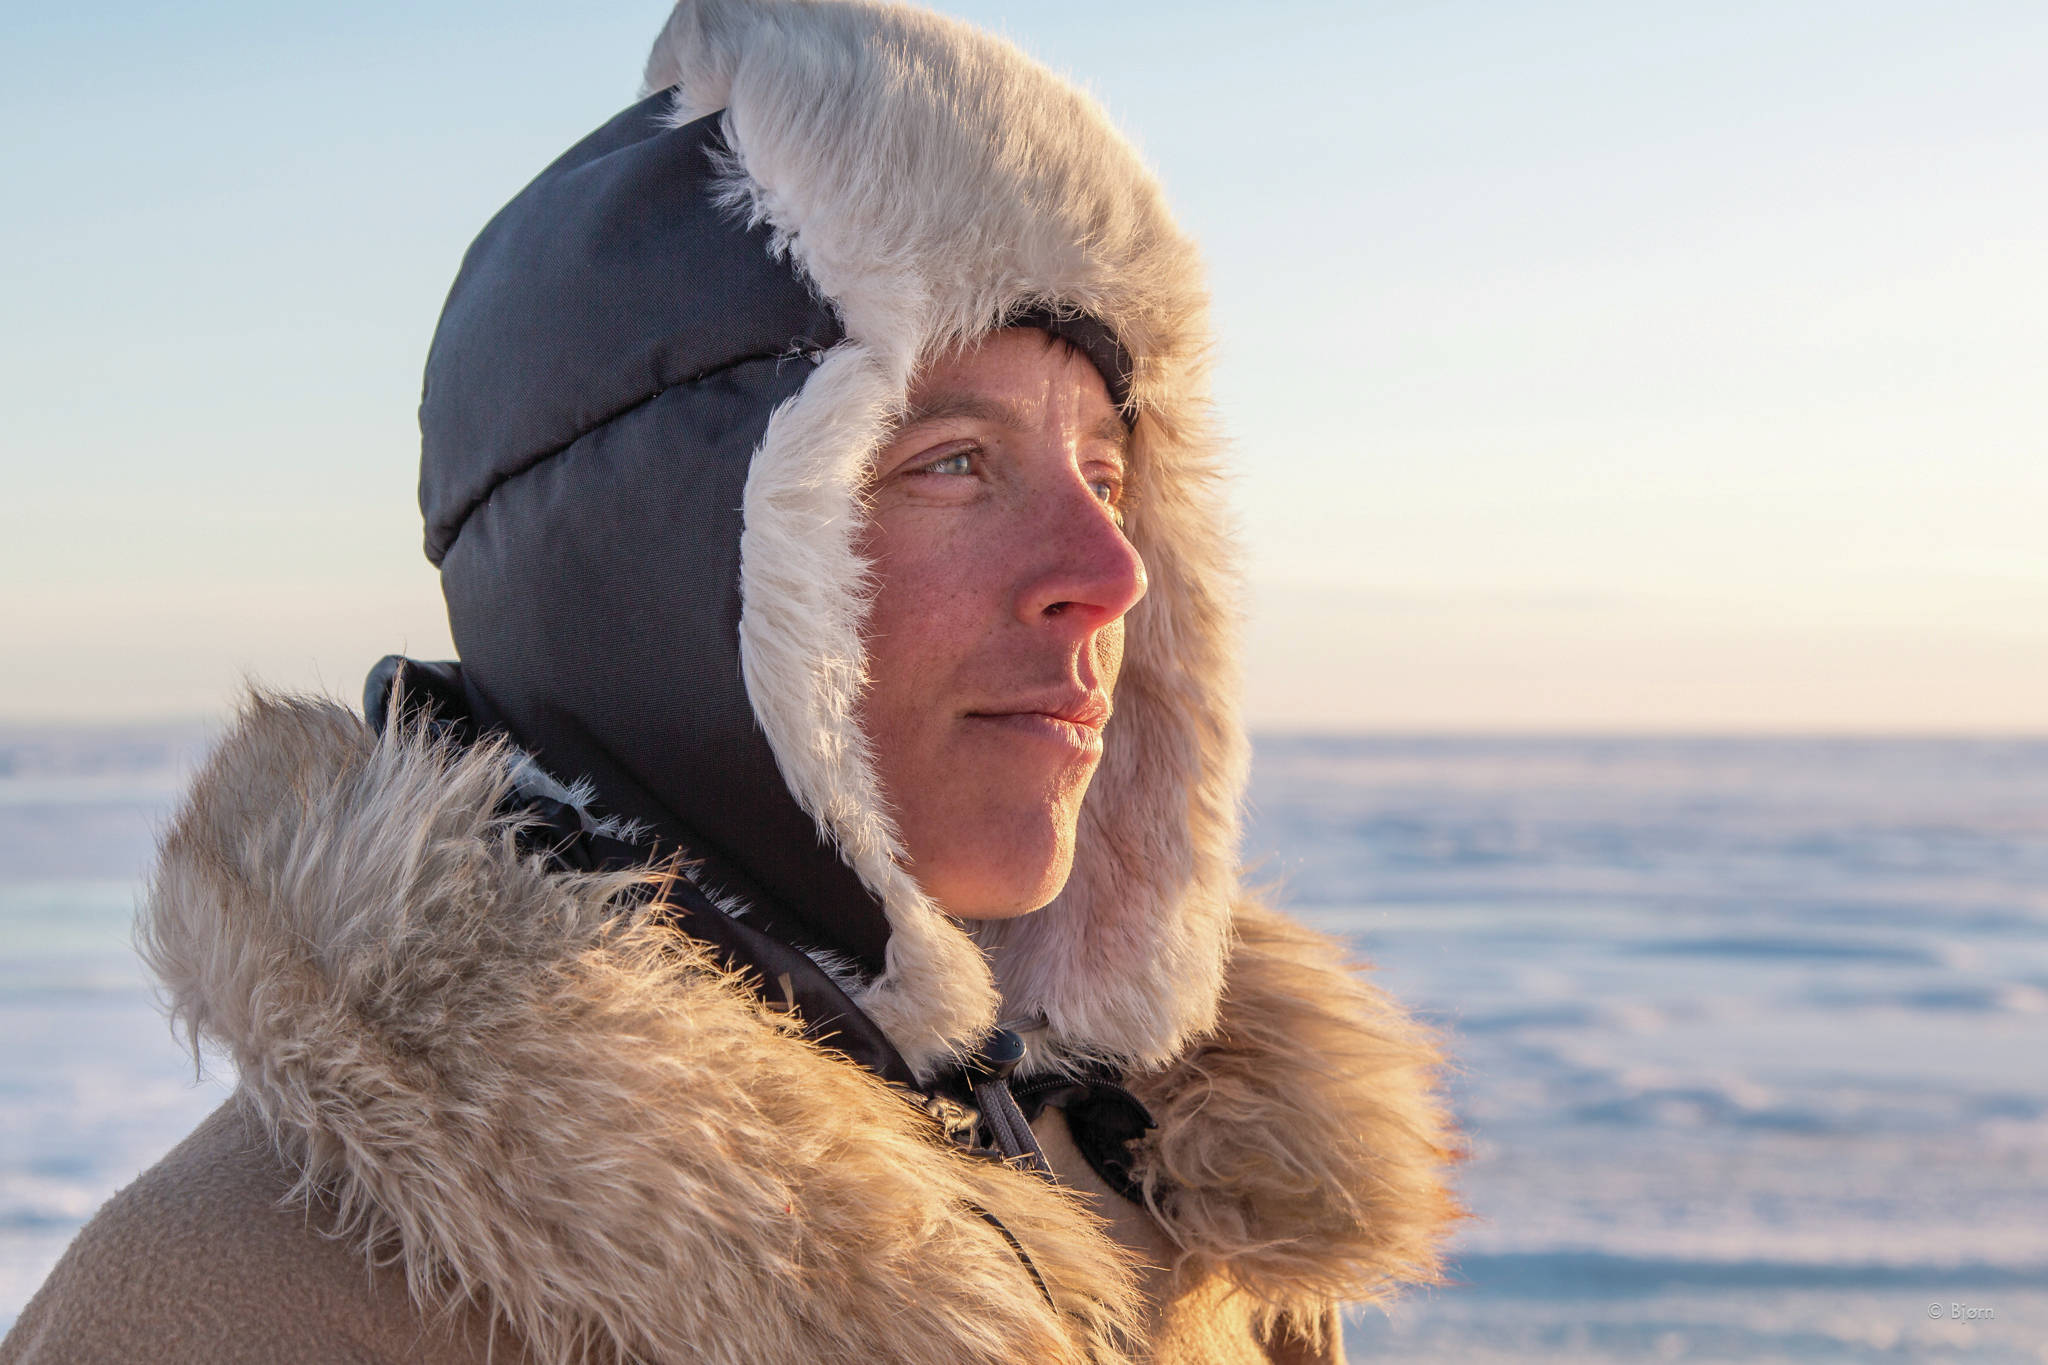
[(540, 1101)]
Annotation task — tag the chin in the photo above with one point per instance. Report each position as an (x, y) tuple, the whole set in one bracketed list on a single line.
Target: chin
[(1018, 879)]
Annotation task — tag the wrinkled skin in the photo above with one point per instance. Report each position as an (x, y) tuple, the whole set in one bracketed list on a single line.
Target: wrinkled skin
[(996, 631)]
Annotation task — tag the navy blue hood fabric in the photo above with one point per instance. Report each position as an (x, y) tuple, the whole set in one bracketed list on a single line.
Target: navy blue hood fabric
[(604, 369)]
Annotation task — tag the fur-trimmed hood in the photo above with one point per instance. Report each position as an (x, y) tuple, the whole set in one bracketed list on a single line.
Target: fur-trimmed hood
[(648, 419), (649, 416), (523, 1087)]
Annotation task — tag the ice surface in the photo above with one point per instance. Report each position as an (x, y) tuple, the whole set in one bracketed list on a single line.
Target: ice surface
[(94, 1087), (1752, 1035)]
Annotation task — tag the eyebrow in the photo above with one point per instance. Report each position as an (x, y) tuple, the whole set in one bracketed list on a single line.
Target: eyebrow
[(1110, 430)]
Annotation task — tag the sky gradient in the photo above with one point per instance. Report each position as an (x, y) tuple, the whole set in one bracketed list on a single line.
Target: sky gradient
[(1590, 366)]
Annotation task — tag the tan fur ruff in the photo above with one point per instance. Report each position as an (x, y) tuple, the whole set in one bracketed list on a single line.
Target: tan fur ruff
[(559, 1111), (1301, 1147), (540, 1101)]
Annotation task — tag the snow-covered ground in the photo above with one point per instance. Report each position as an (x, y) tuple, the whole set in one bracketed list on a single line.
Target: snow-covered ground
[(93, 1088), (1752, 1034)]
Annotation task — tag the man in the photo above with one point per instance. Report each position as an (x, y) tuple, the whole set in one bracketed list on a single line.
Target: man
[(806, 926)]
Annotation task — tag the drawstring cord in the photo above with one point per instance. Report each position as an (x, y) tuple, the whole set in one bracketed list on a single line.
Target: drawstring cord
[(988, 1074), (1013, 1135), (1022, 1255)]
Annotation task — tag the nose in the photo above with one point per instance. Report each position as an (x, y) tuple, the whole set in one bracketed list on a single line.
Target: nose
[(1084, 571)]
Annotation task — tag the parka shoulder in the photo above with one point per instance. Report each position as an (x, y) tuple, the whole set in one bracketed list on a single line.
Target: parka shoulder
[(205, 1259), (550, 1105)]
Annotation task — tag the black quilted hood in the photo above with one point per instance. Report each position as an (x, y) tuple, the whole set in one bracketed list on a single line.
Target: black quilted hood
[(605, 367)]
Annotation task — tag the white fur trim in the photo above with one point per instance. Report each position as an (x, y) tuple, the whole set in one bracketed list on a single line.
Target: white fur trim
[(930, 180), (802, 589)]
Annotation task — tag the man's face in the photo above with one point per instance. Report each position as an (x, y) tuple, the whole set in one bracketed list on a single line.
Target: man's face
[(996, 633)]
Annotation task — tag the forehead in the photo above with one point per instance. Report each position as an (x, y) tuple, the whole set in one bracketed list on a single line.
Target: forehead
[(1019, 378)]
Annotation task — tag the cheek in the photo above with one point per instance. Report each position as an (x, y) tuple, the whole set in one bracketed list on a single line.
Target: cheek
[(926, 614)]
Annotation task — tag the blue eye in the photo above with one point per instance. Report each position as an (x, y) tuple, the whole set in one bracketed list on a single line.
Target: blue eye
[(961, 463), (1111, 492)]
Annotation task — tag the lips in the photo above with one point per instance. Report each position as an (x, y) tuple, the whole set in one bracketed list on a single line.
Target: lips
[(1071, 722), (1088, 710)]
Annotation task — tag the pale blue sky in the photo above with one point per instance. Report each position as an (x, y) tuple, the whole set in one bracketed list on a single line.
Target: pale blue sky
[(1589, 365)]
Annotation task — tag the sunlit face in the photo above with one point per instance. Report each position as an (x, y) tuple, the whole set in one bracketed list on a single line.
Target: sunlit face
[(996, 633)]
